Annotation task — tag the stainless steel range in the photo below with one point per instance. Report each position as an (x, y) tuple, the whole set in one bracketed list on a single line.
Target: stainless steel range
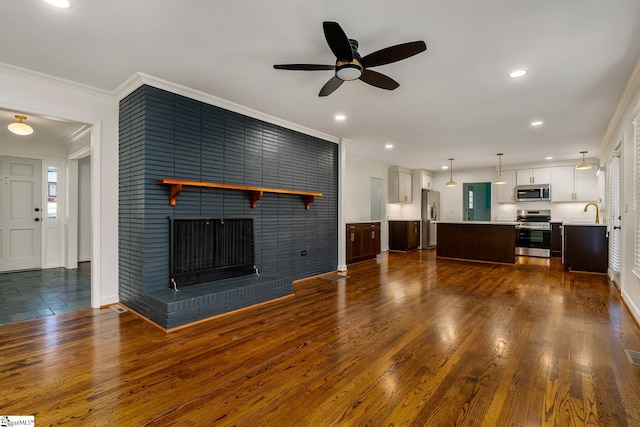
[(533, 233)]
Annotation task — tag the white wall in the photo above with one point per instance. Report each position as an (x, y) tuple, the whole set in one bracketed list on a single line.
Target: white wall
[(357, 193), (84, 209), (34, 93), (621, 130), (451, 197)]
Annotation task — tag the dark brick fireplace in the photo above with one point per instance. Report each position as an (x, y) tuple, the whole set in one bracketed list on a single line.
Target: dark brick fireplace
[(164, 135), (209, 249)]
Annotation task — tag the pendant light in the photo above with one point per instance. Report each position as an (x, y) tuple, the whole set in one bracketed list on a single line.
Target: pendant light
[(583, 164), (451, 182), (500, 179), (20, 128)]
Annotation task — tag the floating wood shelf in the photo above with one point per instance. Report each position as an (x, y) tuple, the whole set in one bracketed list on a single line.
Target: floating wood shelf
[(175, 187)]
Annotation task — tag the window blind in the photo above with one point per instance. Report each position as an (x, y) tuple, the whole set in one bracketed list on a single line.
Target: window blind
[(615, 241)]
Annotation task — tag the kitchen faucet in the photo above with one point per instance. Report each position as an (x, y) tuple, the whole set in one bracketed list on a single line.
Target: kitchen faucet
[(597, 211)]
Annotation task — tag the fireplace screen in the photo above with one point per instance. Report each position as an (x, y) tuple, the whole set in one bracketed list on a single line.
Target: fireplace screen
[(206, 249)]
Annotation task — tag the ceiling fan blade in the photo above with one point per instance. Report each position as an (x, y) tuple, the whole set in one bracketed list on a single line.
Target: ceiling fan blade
[(393, 54), (378, 80), (337, 40), (304, 67), (330, 86)]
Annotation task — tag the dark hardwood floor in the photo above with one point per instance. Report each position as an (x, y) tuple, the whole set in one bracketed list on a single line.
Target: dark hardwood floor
[(404, 340)]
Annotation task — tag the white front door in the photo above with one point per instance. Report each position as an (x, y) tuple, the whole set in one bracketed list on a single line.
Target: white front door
[(20, 213)]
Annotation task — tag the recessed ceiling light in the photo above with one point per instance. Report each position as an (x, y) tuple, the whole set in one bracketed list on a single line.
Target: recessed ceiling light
[(517, 73), (388, 146), (62, 4), (340, 117), (445, 167), (549, 158), (536, 123)]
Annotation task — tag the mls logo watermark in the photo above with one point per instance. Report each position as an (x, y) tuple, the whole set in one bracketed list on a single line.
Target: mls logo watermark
[(16, 420)]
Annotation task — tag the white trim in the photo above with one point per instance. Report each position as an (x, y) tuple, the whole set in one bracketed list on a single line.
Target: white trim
[(96, 224), (633, 309), (80, 153), (139, 79), (49, 79), (342, 232), (71, 221)]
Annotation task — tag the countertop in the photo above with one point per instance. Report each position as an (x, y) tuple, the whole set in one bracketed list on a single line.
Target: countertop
[(479, 222), (590, 224)]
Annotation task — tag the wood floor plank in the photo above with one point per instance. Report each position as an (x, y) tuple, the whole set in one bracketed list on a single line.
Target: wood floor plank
[(406, 339)]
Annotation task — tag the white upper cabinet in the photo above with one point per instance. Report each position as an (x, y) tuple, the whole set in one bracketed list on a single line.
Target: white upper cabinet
[(533, 176), (505, 193), (426, 180), (399, 185), (586, 184), (569, 184), (562, 178)]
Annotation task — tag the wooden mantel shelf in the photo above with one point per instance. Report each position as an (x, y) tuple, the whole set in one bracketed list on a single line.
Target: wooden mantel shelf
[(175, 187)]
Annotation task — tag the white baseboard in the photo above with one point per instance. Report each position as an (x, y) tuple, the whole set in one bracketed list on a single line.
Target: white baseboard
[(635, 312)]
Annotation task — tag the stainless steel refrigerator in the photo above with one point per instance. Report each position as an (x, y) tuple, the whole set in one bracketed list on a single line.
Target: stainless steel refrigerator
[(430, 214)]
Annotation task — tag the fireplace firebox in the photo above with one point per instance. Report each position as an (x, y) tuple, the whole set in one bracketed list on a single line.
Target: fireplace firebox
[(209, 249)]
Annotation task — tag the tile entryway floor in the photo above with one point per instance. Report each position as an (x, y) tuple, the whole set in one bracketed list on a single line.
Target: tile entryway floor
[(38, 293)]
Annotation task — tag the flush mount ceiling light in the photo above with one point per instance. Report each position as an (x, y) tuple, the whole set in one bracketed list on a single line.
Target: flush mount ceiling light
[(549, 158), (20, 128), (583, 164), (500, 180), (388, 146), (340, 117), (62, 4), (536, 123), (451, 182), (517, 73)]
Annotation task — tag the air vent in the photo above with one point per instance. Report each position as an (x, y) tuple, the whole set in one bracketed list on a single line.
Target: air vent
[(118, 308), (633, 356)]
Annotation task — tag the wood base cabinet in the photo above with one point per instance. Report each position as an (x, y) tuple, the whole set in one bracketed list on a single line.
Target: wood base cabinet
[(363, 241), (404, 235), (556, 239), (586, 248)]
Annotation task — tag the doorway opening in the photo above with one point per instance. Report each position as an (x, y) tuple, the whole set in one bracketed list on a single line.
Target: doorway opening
[(476, 201), (50, 280)]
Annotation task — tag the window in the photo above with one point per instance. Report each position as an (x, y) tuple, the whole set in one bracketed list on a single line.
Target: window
[(52, 192)]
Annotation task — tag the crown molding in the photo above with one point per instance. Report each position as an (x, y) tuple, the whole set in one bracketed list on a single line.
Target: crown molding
[(138, 79), (49, 79)]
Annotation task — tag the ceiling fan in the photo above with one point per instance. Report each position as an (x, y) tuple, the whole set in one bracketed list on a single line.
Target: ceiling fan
[(350, 66)]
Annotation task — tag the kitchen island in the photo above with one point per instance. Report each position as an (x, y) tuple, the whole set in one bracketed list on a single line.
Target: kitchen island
[(477, 241)]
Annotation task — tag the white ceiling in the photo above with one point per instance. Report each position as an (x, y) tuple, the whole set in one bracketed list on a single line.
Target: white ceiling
[(454, 100), (45, 129)]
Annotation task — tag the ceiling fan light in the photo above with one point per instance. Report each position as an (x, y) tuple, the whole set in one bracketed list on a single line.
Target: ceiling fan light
[(348, 71), (20, 128), (583, 164)]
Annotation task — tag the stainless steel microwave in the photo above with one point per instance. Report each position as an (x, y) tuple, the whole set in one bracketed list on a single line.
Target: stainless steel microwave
[(533, 193)]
